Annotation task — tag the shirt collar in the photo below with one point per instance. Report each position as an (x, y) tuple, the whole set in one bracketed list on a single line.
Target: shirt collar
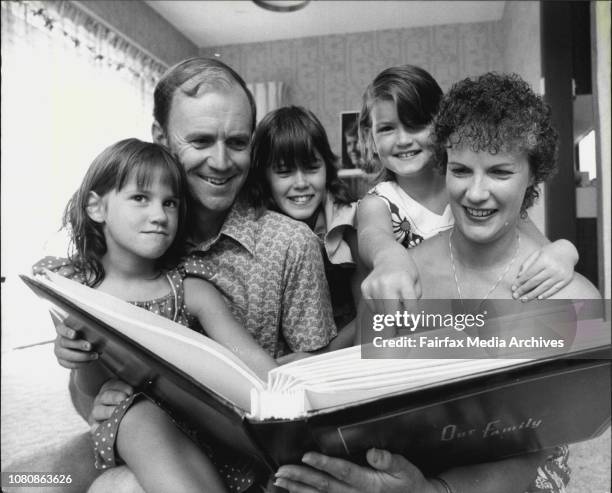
[(240, 225)]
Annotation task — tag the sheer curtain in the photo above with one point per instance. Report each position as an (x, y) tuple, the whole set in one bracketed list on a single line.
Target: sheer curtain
[(70, 87), (268, 96)]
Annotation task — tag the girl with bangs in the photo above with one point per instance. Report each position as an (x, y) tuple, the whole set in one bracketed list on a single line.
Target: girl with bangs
[(293, 171), (127, 222)]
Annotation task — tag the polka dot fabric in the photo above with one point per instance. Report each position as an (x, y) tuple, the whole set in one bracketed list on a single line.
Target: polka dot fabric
[(238, 477)]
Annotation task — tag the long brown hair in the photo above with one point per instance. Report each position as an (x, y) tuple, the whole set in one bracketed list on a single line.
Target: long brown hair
[(111, 170)]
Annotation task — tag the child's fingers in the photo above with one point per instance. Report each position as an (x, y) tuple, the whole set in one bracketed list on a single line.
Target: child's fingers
[(77, 344), (73, 353), (74, 359), (536, 292), (527, 277), (112, 397), (101, 412), (526, 265), (529, 274), (65, 331), (72, 364), (549, 292), (117, 385), (525, 290)]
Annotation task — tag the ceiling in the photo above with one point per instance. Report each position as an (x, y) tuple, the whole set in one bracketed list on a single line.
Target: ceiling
[(217, 23)]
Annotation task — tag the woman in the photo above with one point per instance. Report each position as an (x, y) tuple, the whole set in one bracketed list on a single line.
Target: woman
[(500, 145)]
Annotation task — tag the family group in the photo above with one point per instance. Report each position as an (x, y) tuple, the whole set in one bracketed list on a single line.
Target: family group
[(245, 232)]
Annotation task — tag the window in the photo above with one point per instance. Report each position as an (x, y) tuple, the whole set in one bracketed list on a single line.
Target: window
[(70, 87)]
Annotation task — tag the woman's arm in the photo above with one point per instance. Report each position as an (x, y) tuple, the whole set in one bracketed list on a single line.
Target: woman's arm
[(205, 302), (394, 275)]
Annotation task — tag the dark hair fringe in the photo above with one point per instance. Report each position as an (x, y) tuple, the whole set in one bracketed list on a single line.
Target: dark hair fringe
[(415, 93), (290, 135)]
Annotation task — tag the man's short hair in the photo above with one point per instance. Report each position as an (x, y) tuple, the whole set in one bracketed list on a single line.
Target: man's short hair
[(190, 76)]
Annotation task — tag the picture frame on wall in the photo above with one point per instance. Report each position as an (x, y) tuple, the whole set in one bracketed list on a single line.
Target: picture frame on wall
[(350, 156)]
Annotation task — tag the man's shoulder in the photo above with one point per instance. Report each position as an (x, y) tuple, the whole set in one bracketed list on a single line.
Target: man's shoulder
[(276, 223)]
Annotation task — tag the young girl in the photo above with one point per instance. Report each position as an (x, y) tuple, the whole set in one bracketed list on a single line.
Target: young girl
[(410, 203), (295, 171), (127, 223)]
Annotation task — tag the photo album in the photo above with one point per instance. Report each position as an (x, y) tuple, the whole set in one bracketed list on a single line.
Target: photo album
[(339, 403)]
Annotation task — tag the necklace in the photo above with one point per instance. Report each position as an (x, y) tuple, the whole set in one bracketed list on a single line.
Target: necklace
[(499, 279)]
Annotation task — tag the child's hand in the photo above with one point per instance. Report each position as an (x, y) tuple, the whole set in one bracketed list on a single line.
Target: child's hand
[(111, 394), (71, 350), (389, 283), (546, 271)]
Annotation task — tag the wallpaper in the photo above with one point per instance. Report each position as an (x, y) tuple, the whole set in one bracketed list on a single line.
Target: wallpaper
[(521, 29), (328, 74)]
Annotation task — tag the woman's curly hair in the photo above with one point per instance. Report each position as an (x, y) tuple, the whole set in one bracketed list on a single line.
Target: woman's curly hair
[(499, 113)]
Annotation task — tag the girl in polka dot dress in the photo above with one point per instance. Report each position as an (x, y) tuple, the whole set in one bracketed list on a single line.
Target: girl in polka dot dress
[(127, 223)]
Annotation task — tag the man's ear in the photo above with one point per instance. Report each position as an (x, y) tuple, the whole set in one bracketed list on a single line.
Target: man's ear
[(95, 207), (159, 136)]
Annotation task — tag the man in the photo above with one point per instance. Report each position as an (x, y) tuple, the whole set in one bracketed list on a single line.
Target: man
[(267, 266)]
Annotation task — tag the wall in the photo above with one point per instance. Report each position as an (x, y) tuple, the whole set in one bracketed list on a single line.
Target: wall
[(328, 74), (521, 41), (600, 28), (142, 25), (521, 54)]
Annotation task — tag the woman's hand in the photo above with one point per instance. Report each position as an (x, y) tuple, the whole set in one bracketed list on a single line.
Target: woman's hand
[(111, 394), (546, 271), (389, 474)]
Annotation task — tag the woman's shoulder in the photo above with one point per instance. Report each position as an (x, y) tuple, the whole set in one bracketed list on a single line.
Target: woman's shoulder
[(579, 288), (432, 251)]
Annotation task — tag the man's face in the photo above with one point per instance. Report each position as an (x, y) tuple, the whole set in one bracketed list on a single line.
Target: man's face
[(210, 134)]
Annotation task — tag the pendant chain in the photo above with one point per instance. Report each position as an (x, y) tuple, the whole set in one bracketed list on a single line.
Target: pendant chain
[(503, 274)]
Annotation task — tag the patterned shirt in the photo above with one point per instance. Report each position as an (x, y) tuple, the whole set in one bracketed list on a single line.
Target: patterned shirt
[(270, 270)]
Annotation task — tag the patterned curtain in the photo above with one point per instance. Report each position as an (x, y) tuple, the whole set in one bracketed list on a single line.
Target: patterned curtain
[(70, 87)]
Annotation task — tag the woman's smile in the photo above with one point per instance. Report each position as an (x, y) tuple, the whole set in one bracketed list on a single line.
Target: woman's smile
[(479, 214)]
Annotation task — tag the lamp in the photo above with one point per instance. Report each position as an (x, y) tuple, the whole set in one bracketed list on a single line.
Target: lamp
[(281, 5)]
